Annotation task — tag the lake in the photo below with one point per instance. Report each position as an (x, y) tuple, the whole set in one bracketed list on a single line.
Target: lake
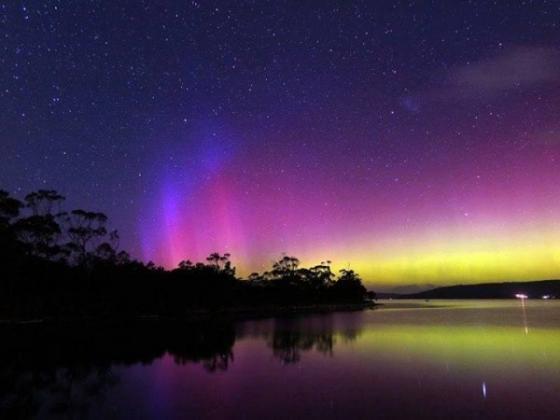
[(405, 359)]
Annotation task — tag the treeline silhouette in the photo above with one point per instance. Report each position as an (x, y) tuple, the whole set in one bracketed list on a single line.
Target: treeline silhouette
[(59, 264)]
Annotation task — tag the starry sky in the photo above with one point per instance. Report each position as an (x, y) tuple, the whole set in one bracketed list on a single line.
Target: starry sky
[(415, 142)]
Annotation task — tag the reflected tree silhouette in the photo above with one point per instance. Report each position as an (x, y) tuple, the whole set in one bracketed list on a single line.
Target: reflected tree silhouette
[(287, 345), (74, 389), (291, 337), (66, 371), (212, 348), (67, 392)]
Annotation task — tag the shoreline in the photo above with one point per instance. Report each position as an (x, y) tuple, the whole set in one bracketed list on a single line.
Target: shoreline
[(231, 314)]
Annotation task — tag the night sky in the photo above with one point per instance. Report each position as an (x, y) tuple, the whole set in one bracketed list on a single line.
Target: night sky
[(415, 142)]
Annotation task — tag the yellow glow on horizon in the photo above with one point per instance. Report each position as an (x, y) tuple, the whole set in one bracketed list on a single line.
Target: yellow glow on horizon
[(451, 257)]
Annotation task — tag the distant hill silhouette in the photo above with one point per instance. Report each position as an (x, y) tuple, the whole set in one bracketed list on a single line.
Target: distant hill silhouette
[(533, 289)]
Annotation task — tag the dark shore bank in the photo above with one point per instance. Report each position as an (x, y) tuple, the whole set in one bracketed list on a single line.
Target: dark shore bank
[(195, 316)]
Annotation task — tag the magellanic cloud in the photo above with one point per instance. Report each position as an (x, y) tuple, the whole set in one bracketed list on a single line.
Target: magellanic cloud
[(521, 67), (514, 69)]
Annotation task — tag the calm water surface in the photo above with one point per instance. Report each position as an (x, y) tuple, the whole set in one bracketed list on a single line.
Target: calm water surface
[(407, 359)]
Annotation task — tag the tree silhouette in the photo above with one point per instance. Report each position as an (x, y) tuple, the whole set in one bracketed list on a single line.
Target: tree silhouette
[(67, 264), (321, 274), (42, 202), (349, 285), (286, 269), (221, 263), (84, 229), (40, 231), (9, 208), (40, 234)]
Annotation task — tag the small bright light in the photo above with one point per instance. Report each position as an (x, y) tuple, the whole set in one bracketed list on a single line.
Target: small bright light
[(521, 296)]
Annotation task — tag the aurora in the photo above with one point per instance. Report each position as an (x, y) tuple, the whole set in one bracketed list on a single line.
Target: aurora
[(468, 219), (280, 209), (415, 145)]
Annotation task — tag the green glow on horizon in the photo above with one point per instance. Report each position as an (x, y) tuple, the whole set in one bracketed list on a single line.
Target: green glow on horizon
[(441, 257)]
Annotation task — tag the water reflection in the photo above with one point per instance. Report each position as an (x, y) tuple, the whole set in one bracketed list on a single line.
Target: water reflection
[(451, 360), (64, 371), (290, 337), (287, 345)]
